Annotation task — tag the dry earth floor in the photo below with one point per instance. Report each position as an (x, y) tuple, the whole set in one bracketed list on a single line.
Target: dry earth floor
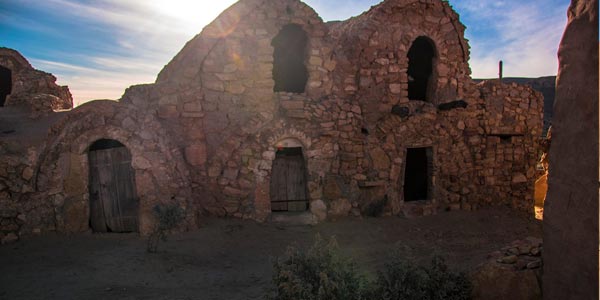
[(232, 259)]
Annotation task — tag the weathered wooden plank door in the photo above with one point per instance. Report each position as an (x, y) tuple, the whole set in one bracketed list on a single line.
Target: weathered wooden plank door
[(288, 182), (113, 198)]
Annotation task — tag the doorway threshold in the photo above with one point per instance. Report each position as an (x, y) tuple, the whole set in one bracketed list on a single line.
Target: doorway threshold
[(293, 218)]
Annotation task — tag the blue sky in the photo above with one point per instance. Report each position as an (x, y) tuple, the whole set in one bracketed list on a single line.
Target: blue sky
[(100, 47)]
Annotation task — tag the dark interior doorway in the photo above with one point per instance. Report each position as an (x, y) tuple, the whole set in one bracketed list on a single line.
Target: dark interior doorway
[(289, 69), (420, 67), (5, 84), (288, 181), (417, 174), (114, 204)]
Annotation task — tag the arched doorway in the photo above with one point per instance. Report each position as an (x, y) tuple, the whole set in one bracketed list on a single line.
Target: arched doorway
[(420, 69), (289, 69), (5, 84), (288, 188), (114, 204)]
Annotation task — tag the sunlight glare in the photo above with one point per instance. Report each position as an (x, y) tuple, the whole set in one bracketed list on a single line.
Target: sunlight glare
[(195, 14)]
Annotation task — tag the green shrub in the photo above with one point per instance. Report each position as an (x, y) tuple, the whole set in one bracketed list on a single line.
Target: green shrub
[(402, 280), (319, 274), (168, 217)]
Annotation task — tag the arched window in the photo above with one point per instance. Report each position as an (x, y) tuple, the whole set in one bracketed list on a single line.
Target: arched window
[(289, 71), (114, 206), (420, 69), (5, 84)]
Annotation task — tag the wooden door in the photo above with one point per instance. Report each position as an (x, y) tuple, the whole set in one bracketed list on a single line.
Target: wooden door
[(113, 199), (288, 182)]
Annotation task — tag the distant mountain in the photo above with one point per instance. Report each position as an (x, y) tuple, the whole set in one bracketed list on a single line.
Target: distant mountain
[(545, 85)]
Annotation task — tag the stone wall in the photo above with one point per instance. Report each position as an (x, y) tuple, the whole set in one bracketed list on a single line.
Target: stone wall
[(511, 148), (207, 132), (220, 88), (32, 88), (161, 176), (44, 187), (571, 206)]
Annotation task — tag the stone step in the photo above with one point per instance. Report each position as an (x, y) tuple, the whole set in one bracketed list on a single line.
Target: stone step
[(293, 218)]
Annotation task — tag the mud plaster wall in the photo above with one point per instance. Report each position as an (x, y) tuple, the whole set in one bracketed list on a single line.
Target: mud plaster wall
[(214, 114)]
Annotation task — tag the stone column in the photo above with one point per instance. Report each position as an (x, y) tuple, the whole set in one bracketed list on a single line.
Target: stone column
[(571, 208)]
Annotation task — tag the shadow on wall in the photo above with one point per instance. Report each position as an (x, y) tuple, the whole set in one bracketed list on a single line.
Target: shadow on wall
[(420, 69)]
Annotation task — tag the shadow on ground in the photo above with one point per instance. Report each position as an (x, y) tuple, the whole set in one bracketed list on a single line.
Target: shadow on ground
[(231, 259)]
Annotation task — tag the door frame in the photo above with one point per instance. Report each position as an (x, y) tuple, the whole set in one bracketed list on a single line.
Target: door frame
[(305, 175), (132, 178)]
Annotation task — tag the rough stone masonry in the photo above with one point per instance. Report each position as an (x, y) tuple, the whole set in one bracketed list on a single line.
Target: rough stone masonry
[(379, 117)]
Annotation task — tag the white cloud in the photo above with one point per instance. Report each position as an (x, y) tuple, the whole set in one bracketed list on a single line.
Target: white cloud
[(87, 83), (148, 34), (340, 10), (524, 35)]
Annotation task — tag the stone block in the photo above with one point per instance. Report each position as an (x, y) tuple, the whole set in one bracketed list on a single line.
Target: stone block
[(195, 155), (168, 111), (340, 207), (292, 104), (395, 88), (27, 173), (319, 209), (331, 189), (192, 107), (230, 173), (139, 162), (519, 178), (9, 238), (380, 159), (232, 192)]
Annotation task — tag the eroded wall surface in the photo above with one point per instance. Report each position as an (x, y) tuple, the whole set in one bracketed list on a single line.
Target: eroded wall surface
[(31, 88), (571, 207)]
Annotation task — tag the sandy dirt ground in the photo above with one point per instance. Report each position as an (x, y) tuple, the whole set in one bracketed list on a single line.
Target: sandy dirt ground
[(232, 259)]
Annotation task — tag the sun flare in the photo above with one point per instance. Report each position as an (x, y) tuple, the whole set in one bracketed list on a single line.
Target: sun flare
[(193, 12)]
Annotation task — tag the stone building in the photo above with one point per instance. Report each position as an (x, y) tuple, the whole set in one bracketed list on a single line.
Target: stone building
[(268, 110), (22, 85)]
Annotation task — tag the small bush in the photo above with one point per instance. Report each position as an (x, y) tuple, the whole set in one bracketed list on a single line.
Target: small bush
[(402, 280), (319, 274), (168, 217), (322, 274)]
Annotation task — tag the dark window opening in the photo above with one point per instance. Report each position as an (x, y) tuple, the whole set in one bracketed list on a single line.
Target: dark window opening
[(288, 181), (505, 137), (420, 67), (5, 84), (289, 71), (417, 174)]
